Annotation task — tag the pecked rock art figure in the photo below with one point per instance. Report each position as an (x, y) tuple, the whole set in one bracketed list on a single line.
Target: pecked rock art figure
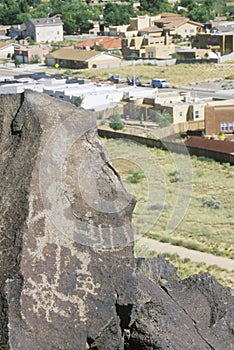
[(68, 277), (67, 245)]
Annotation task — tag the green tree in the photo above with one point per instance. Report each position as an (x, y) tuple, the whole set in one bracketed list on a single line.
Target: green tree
[(9, 12), (154, 6), (114, 14)]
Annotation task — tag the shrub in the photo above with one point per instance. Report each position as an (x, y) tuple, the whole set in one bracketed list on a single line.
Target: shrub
[(78, 101), (205, 159), (17, 63), (35, 59), (135, 176), (176, 177), (115, 122), (211, 203)]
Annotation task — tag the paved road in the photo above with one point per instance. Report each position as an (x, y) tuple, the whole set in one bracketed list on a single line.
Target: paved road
[(193, 255)]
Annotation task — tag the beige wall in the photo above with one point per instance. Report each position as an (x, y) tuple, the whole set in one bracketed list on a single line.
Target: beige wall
[(159, 51), (139, 22), (186, 29)]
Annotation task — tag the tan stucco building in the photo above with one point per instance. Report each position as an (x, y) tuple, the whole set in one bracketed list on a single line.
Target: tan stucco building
[(79, 59), (219, 117)]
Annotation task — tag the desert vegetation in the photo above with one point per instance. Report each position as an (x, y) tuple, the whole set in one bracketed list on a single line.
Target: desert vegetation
[(178, 75), (206, 223)]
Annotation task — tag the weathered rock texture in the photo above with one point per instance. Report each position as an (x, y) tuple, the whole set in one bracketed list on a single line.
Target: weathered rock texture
[(67, 270)]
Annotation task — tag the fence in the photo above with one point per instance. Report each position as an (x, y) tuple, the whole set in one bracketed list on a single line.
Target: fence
[(170, 146), (166, 62)]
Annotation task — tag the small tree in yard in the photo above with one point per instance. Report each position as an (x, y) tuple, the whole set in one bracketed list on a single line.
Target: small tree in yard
[(115, 122), (78, 101), (17, 63), (164, 119)]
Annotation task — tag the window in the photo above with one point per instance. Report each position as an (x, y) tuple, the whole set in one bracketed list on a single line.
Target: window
[(223, 126), (196, 114), (231, 126), (181, 114), (150, 54)]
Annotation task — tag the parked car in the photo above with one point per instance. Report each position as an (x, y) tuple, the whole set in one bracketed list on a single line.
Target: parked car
[(160, 83), (134, 81), (116, 79)]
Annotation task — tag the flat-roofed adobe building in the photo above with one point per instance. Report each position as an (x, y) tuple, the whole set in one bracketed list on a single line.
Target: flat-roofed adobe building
[(219, 117)]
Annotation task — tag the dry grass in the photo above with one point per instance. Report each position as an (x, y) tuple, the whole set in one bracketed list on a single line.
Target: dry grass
[(203, 229), (178, 75)]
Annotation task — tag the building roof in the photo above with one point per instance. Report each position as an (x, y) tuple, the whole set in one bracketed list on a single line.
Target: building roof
[(170, 23), (107, 43), (19, 27), (4, 44), (73, 54), (215, 145), (48, 21)]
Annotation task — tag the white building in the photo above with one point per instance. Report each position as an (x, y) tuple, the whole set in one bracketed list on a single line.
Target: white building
[(44, 30)]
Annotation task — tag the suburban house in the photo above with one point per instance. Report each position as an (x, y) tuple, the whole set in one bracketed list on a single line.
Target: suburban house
[(100, 44), (18, 31), (78, 59), (147, 47), (174, 24), (217, 42), (183, 107), (4, 30), (44, 30), (186, 109), (219, 117), (6, 49), (31, 54), (153, 36)]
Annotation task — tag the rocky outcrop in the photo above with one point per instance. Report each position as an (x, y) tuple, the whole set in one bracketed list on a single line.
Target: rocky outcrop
[(68, 276), (195, 313), (66, 239)]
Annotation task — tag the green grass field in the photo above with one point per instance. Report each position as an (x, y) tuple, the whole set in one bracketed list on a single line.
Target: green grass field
[(165, 200)]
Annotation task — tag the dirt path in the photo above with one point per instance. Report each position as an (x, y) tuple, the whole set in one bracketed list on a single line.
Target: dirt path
[(193, 255)]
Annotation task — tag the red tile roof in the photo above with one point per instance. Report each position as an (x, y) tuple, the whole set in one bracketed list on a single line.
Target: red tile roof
[(105, 42)]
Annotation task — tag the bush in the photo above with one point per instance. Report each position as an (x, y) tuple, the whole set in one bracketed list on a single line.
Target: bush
[(17, 63), (205, 159), (211, 203), (78, 101), (136, 176), (115, 122), (35, 59)]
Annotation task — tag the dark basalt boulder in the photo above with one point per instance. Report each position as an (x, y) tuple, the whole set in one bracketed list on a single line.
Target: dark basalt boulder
[(66, 238), (68, 276)]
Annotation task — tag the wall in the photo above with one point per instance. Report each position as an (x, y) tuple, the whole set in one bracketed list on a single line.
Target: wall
[(187, 29), (171, 146), (216, 115), (49, 33)]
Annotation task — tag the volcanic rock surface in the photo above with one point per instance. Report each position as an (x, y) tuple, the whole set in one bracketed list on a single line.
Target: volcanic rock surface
[(68, 277)]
